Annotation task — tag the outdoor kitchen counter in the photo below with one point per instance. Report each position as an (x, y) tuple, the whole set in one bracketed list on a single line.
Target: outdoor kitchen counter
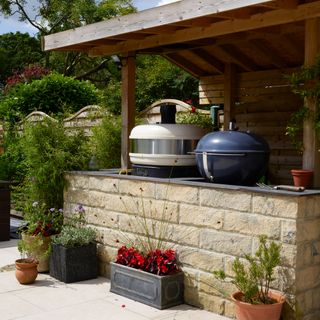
[(211, 224), (197, 182)]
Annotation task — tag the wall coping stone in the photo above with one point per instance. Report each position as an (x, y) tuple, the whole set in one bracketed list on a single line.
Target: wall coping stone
[(196, 182)]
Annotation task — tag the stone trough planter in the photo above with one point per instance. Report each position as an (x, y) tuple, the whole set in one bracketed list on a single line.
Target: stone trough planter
[(160, 292)]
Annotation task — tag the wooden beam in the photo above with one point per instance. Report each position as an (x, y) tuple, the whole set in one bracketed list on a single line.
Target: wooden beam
[(163, 15), (311, 154), (229, 94), (127, 106), (260, 20)]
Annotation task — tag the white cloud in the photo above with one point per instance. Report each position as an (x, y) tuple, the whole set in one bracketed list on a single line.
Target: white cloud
[(163, 2)]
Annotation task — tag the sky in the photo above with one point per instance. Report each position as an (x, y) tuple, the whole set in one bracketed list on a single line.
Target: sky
[(12, 24)]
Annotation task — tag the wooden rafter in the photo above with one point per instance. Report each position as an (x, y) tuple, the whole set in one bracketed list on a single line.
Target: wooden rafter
[(267, 19), (269, 53), (210, 58), (238, 57), (180, 61)]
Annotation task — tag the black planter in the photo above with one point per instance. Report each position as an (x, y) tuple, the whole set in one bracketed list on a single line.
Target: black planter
[(74, 264), (160, 292)]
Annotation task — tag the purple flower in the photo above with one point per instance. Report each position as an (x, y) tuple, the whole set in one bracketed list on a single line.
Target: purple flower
[(60, 210), (52, 209), (80, 208)]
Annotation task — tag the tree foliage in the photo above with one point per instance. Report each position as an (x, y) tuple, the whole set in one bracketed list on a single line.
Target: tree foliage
[(157, 79), (53, 93), (51, 16), (17, 50)]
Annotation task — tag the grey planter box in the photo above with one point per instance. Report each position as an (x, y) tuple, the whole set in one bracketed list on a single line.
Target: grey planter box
[(74, 264), (157, 291)]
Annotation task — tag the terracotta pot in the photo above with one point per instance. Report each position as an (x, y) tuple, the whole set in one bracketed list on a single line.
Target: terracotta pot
[(247, 311), (302, 178), (26, 270), (39, 253)]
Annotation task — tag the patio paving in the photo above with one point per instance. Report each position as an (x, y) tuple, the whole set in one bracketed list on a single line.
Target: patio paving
[(49, 298)]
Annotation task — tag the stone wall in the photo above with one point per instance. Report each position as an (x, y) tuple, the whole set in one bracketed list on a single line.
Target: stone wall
[(209, 226)]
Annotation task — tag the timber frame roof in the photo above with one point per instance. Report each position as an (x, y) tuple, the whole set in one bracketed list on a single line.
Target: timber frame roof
[(202, 36)]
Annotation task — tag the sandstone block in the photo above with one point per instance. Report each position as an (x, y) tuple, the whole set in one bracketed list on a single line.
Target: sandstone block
[(307, 278), (201, 216), (251, 224), (137, 188), (190, 277), (212, 303), (184, 235), (225, 199), (177, 193), (102, 217), (288, 231), (210, 285), (106, 254), (275, 206), (201, 259), (103, 184), (308, 230), (229, 243), (78, 181)]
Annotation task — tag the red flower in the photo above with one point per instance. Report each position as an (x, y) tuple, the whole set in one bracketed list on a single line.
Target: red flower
[(156, 261), (193, 109)]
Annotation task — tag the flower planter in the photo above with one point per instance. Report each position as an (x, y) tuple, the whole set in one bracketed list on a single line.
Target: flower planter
[(26, 270), (157, 291), (74, 264), (302, 178), (39, 253), (247, 311)]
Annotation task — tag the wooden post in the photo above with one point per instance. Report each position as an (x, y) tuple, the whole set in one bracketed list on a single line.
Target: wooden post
[(311, 154), (229, 94), (127, 106)]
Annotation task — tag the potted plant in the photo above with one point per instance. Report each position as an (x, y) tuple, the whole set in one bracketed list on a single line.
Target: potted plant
[(74, 252), (41, 224), (254, 298), (153, 277), (305, 83), (26, 270), (146, 270)]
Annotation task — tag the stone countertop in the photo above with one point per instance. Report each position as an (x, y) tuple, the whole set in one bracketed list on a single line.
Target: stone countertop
[(197, 182)]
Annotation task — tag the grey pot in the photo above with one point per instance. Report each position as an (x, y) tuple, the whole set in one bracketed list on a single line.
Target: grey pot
[(160, 292)]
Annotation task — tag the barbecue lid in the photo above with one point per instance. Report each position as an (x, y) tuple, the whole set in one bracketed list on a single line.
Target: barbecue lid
[(232, 142), (167, 131)]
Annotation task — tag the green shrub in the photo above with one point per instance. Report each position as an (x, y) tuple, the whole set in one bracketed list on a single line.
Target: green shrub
[(72, 236), (53, 94), (106, 142), (12, 162), (49, 151)]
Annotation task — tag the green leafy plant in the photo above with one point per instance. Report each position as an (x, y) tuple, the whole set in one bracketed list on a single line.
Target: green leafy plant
[(306, 84), (53, 94), (253, 278), (74, 233), (34, 247), (41, 220), (49, 151), (106, 142), (195, 117)]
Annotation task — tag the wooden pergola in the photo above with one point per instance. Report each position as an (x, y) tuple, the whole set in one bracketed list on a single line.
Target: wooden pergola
[(220, 39)]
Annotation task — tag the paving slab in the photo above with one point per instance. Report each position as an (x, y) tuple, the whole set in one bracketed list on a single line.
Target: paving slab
[(49, 299)]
